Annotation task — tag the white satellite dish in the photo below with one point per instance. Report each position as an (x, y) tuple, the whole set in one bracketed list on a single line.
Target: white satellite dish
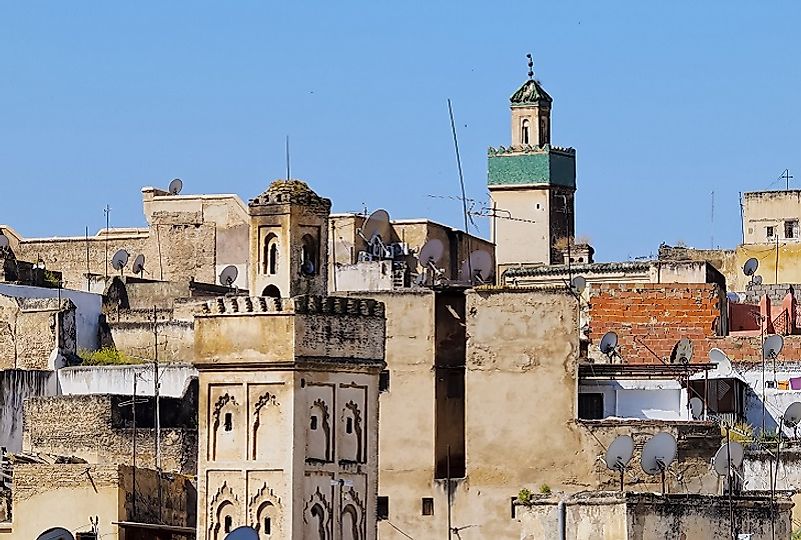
[(619, 454), (56, 533), (431, 252), (228, 275), (176, 186), (792, 416), (377, 225), (696, 408), (139, 265), (579, 283), (658, 453), (608, 344), (3, 241), (716, 356), (773, 346), (729, 456), (733, 297), (750, 266), (120, 260), (243, 533), (682, 352), (480, 265)]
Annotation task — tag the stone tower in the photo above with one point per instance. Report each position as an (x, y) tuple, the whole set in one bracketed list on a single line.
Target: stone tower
[(288, 241), (531, 185), (288, 416)]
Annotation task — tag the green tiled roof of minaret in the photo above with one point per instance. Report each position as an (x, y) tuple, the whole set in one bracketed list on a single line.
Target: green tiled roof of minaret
[(531, 93)]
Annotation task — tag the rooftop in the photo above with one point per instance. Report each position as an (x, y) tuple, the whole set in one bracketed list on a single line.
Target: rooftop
[(531, 93)]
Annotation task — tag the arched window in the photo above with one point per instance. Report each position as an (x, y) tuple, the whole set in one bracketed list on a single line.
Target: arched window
[(269, 256), (545, 132), (524, 131), (308, 255), (271, 291), (318, 514), (350, 523), (229, 523)]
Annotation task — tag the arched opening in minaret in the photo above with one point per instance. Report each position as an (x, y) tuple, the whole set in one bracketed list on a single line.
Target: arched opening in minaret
[(271, 291), (270, 254), (308, 255), (524, 127)]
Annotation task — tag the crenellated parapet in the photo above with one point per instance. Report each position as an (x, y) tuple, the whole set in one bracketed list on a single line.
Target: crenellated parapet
[(527, 149), (303, 305)]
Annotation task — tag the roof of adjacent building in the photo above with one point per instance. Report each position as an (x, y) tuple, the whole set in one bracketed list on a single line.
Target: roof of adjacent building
[(290, 192), (596, 268), (530, 93)]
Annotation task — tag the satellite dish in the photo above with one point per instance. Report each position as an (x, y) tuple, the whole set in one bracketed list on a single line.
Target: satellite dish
[(56, 533), (792, 416), (431, 252), (608, 344), (229, 275), (619, 453), (480, 264), (175, 186), (772, 346), (139, 264), (658, 453), (307, 268), (729, 456), (243, 533), (377, 225), (716, 356), (3, 241), (757, 280), (733, 297), (120, 259), (750, 266), (579, 283), (682, 352), (696, 408)]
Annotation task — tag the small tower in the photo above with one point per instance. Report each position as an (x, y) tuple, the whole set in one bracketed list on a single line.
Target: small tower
[(288, 241), (288, 422), (531, 184)]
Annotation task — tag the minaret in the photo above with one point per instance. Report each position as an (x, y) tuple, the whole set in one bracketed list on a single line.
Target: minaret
[(288, 241), (531, 184)]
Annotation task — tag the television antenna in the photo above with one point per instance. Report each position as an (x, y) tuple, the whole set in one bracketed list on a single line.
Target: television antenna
[(657, 455), (682, 352), (139, 265), (176, 186), (228, 275), (56, 533), (619, 454), (243, 533), (609, 345), (697, 408), (477, 269), (120, 260)]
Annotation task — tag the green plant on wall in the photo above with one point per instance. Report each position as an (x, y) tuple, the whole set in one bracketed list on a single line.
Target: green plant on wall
[(51, 279), (545, 489), (525, 496), (107, 356)]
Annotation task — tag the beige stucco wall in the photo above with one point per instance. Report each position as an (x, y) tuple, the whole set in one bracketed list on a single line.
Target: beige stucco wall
[(521, 241), (770, 208)]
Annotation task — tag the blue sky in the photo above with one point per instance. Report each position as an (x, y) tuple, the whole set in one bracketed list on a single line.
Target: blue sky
[(664, 102)]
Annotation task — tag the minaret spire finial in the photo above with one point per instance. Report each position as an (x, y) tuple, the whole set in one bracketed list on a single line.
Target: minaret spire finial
[(530, 67)]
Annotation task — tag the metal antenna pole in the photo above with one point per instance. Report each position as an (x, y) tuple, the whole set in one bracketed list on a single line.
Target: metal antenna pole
[(762, 321), (712, 223), (287, 157), (88, 270), (728, 480), (156, 385), (776, 279), (464, 194), (448, 479), (107, 211)]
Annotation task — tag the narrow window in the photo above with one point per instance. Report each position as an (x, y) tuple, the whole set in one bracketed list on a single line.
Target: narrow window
[(791, 229), (273, 258), (313, 424), (524, 132), (349, 426), (514, 514), (428, 506), (769, 231), (229, 422), (382, 511), (545, 132), (229, 522), (383, 381), (267, 524)]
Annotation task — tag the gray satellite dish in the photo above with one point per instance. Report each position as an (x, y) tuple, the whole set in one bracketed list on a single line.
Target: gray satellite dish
[(139, 265), (716, 356), (608, 344), (729, 456), (733, 297), (56, 533), (658, 453), (773, 346), (243, 533), (480, 264), (757, 280), (377, 225), (431, 252), (176, 186), (682, 352), (696, 407), (619, 454), (229, 275), (750, 266), (792, 416), (120, 260), (579, 283), (3, 241)]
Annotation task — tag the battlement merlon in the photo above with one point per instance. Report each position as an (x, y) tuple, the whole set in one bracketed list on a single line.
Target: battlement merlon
[(262, 331)]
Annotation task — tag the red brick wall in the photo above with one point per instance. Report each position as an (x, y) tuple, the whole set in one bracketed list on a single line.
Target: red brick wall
[(655, 316)]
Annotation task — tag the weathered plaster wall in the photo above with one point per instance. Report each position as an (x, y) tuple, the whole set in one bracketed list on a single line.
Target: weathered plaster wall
[(85, 380), (17, 385), (36, 333)]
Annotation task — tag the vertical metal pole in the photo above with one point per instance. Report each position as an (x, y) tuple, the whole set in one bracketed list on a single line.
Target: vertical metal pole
[(108, 211), (88, 271), (762, 353), (287, 157), (728, 480), (133, 458), (776, 280), (464, 193), (448, 479), (156, 385), (706, 394)]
